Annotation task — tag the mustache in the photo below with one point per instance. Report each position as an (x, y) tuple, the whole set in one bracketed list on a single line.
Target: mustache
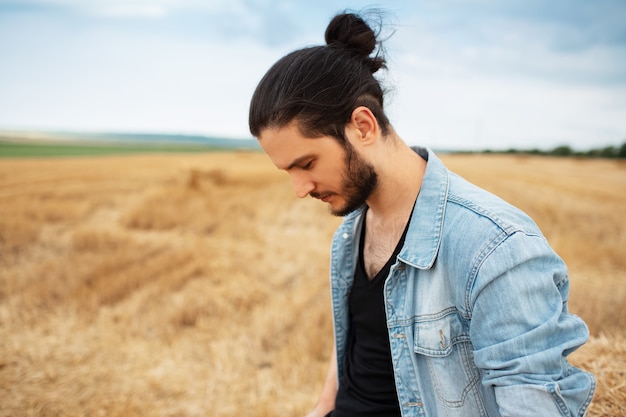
[(318, 196)]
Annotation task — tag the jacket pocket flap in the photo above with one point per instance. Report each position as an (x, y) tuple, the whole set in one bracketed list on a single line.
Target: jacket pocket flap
[(437, 337)]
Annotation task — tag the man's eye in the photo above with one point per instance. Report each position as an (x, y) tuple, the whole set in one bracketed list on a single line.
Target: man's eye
[(308, 165)]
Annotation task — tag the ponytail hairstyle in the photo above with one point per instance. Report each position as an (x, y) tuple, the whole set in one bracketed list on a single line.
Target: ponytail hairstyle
[(320, 86)]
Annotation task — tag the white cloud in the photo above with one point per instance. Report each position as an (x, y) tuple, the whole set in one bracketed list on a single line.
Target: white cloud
[(475, 113), (107, 81), (463, 76), (138, 8)]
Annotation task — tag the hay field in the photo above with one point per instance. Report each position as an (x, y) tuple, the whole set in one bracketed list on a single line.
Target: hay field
[(192, 285)]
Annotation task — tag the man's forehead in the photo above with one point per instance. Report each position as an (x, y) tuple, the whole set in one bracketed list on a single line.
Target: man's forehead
[(283, 145), (287, 147)]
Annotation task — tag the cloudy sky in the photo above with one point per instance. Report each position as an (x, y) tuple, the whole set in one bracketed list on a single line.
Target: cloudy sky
[(462, 74)]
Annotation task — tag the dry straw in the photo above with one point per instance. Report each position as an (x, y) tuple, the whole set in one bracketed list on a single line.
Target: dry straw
[(194, 285)]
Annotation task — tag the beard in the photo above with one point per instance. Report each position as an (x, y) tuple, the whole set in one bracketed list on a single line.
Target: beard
[(358, 182)]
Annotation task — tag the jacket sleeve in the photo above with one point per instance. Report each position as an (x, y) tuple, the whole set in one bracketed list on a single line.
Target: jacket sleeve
[(522, 332)]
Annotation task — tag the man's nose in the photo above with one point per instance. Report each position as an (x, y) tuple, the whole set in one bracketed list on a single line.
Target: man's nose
[(302, 185)]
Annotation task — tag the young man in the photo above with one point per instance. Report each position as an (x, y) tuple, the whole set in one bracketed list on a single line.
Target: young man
[(447, 301)]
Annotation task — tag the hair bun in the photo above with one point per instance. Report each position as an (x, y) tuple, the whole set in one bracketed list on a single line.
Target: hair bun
[(349, 31)]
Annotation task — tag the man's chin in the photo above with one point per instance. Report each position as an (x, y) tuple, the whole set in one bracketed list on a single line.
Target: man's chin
[(338, 206), (336, 210), (344, 210)]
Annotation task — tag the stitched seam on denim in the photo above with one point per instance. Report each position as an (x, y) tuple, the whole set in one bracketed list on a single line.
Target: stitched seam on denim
[(474, 379), (507, 227), (422, 318), (489, 248), (403, 390), (553, 389), (585, 405), (340, 285)]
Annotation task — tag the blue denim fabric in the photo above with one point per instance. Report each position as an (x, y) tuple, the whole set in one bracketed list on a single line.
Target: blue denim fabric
[(476, 308)]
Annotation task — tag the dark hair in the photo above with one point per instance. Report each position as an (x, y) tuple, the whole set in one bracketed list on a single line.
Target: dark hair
[(320, 86)]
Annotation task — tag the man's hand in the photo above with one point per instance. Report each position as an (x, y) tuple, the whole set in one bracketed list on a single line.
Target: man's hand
[(329, 392), (318, 411)]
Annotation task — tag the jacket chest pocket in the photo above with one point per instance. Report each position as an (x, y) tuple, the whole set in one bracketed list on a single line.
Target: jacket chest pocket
[(443, 347)]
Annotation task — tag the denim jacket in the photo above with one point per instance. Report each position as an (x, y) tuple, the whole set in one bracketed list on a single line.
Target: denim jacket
[(476, 307)]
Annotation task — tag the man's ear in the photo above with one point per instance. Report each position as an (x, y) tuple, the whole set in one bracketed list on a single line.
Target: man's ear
[(364, 121)]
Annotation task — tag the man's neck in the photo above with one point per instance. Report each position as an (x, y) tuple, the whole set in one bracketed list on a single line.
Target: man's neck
[(400, 179)]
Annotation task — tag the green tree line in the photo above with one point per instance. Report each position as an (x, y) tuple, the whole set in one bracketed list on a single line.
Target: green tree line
[(564, 150)]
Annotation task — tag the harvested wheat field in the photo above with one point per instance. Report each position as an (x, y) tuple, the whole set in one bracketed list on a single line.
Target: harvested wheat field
[(197, 284)]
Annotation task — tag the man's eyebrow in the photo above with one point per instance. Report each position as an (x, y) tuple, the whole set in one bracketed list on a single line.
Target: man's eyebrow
[(299, 161)]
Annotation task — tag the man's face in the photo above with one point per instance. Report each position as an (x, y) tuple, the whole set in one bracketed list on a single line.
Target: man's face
[(321, 168)]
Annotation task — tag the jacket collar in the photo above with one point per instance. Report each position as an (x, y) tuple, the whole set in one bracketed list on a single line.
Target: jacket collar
[(425, 227)]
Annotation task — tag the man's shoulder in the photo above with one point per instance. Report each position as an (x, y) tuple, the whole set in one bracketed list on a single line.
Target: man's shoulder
[(467, 200)]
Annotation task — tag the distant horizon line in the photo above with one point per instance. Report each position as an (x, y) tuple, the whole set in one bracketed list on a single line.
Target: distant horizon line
[(128, 137), (26, 132)]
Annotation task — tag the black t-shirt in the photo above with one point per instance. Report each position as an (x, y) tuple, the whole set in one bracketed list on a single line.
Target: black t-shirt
[(367, 388)]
